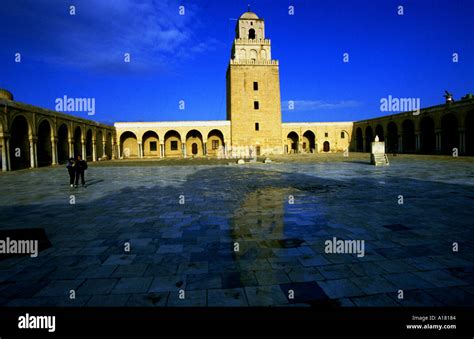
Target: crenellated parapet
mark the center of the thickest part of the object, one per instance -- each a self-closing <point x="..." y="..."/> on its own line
<point x="253" y="62"/>
<point x="246" y="41"/>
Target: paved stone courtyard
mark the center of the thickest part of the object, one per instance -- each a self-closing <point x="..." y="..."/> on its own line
<point x="183" y="223"/>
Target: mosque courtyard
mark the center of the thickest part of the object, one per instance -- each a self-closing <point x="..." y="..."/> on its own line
<point x="214" y="233"/>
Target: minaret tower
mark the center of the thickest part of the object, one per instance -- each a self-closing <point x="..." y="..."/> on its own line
<point x="253" y="90"/>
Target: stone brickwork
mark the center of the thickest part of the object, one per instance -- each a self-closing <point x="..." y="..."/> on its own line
<point x="257" y="126"/>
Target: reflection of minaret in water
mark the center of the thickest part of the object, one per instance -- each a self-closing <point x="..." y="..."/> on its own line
<point x="260" y="218"/>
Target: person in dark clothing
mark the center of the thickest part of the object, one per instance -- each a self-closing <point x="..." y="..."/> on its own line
<point x="71" y="170"/>
<point x="81" y="166"/>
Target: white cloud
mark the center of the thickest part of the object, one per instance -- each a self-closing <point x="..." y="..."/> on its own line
<point x="314" y="105"/>
<point x="101" y="32"/>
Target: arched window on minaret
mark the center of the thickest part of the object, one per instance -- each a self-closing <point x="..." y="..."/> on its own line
<point x="251" y="33"/>
<point x="253" y="54"/>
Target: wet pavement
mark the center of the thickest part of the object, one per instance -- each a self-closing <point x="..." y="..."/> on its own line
<point x="244" y="235"/>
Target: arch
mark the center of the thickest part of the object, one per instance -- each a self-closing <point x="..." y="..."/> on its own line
<point x="369" y="137"/>
<point x="49" y="121"/>
<point x="108" y="146"/>
<point x="215" y="143"/>
<point x="326" y="146"/>
<point x="243" y="54"/>
<point x="77" y="141"/>
<point x="449" y="133"/>
<point x="99" y="144"/>
<point x="251" y="33"/>
<point x="309" y="141"/>
<point x="470" y="133"/>
<point x="194" y="137"/>
<point x="408" y="136"/>
<point x="128" y="145"/>
<point x="63" y="143"/>
<point x="173" y="145"/>
<point x="263" y="54"/>
<point x="292" y="142"/>
<point x="253" y="54"/>
<point x="427" y="137"/>
<point x="392" y="137"/>
<point x="151" y="144"/>
<point x="379" y="132"/>
<point x="359" y="140"/>
<point x="89" y="145"/>
<point x="26" y="118"/>
<point x="19" y="143"/>
<point x="44" y="146"/>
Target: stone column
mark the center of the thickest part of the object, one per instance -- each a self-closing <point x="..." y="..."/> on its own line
<point x="140" y="149"/>
<point x="204" y="148"/>
<point x="83" y="148"/>
<point x="400" y="143"/>
<point x="33" y="159"/>
<point x="115" y="150"/>
<point x="417" y="141"/>
<point x="162" y="150"/>
<point x="54" y="150"/>
<point x="103" y="146"/>
<point x="462" y="140"/>
<point x="94" y="151"/>
<point x="71" y="147"/>
<point x="438" y="140"/>
<point x="183" y="149"/>
<point x="8" y="160"/>
<point x="4" y="154"/>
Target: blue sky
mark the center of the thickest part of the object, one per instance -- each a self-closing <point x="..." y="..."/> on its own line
<point x="176" y="57"/>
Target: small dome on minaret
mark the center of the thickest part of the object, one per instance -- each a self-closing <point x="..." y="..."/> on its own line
<point x="6" y="95"/>
<point x="249" y="15"/>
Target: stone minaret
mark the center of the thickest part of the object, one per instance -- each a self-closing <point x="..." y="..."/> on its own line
<point x="253" y="90"/>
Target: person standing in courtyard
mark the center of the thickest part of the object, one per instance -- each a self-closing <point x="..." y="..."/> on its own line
<point x="71" y="170"/>
<point x="80" y="167"/>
